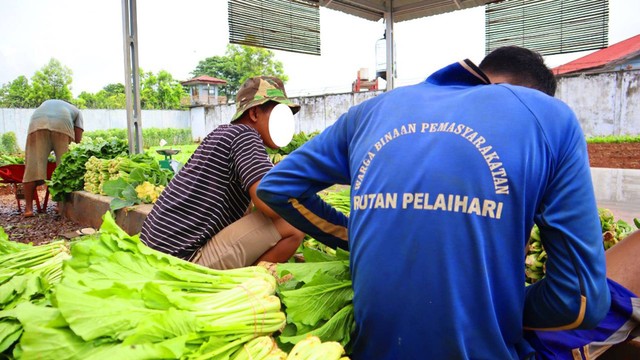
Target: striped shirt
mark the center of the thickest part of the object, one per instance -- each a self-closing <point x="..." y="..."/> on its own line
<point x="209" y="193"/>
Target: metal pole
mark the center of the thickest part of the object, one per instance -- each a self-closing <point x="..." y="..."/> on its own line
<point x="391" y="56"/>
<point x="131" y="75"/>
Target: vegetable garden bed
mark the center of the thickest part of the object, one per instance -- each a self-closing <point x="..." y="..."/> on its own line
<point x="614" y="155"/>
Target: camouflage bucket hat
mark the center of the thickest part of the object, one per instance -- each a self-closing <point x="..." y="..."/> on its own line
<point x="257" y="91"/>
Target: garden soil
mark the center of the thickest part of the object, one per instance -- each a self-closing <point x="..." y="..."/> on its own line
<point x="615" y="156"/>
<point x="49" y="225"/>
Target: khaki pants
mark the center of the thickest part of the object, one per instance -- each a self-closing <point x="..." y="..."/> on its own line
<point x="239" y="244"/>
<point x="36" y="154"/>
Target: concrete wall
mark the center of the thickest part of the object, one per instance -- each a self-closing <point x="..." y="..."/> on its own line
<point x="606" y="103"/>
<point x="17" y="120"/>
<point x="617" y="185"/>
<point x="316" y="112"/>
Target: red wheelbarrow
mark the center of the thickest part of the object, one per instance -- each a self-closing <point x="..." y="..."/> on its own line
<point x="12" y="174"/>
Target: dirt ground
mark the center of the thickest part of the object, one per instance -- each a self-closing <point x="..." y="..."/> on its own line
<point x="49" y="225"/>
<point x="42" y="228"/>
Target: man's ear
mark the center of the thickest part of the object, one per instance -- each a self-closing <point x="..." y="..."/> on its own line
<point x="253" y="114"/>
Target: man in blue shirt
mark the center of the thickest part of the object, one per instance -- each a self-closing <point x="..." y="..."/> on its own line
<point x="447" y="179"/>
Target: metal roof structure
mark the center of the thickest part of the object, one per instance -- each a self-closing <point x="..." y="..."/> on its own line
<point x="391" y="11"/>
<point x="610" y="57"/>
<point x="204" y="79"/>
<point x="399" y="10"/>
<point x="394" y="11"/>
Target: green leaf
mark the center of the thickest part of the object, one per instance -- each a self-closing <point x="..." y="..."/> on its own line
<point x="317" y="300"/>
<point x="46" y="343"/>
<point x="312" y="255"/>
<point x="118" y="203"/>
<point x="305" y="272"/>
<point x="338" y="328"/>
<point x="168" y="349"/>
<point x="28" y="313"/>
<point x="105" y="313"/>
<point x="130" y="194"/>
<point x="114" y="187"/>
<point x="10" y="332"/>
<point x="159" y="327"/>
<point x="137" y="175"/>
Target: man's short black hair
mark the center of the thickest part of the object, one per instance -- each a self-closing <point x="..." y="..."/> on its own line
<point x="525" y="67"/>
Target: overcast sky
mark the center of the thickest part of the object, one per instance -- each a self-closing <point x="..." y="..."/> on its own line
<point x="86" y="36"/>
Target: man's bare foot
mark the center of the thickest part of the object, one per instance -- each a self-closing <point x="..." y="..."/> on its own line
<point x="28" y="214"/>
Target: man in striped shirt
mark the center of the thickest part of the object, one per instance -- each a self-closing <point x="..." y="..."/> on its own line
<point x="205" y="214"/>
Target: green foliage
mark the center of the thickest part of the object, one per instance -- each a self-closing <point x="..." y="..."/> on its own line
<point x="614" y="139"/>
<point x="53" y="81"/>
<point x="298" y="140"/>
<point x="17" y="94"/>
<point x="69" y="175"/>
<point x="116" y="298"/>
<point x="160" y="91"/>
<point x="9" y="143"/>
<point x="150" y="137"/>
<point x="239" y="63"/>
<point x="111" y="96"/>
<point x="613" y="231"/>
<point x="182" y="157"/>
<point x="318" y="299"/>
<point x="10" y="160"/>
<point x="129" y="180"/>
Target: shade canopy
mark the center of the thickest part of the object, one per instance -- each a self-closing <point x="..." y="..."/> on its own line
<point x="400" y="10"/>
<point x="393" y="11"/>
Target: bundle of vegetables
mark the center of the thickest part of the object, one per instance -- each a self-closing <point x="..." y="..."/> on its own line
<point x="11" y="160"/>
<point x="317" y="298"/>
<point x="299" y="139"/>
<point x="69" y="174"/>
<point x="535" y="259"/>
<point x="97" y="172"/>
<point x="129" y="180"/>
<point x="119" y="299"/>
<point x="148" y="193"/>
<point x="612" y="232"/>
<point x="340" y="199"/>
<point x="310" y="348"/>
<point x="27" y="277"/>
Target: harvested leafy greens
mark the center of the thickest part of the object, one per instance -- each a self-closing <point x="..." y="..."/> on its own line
<point x="69" y="175"/>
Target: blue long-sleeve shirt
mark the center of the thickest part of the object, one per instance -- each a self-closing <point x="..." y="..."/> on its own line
<point x="447" y="179"/>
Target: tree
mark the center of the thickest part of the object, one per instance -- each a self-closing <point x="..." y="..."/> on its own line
<point x="240" y="63"/>
<point x="110" y="97"/>
<point x="17" y="94"/>
<point x="53" y="81"/>
<point x="160" y="91"/>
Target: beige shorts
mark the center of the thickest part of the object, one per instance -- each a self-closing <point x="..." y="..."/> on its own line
<point x="40" y="143"/>
<point x="239" y="244"/>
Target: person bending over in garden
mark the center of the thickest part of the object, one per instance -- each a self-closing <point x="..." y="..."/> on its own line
<point x="447" y="180"/>
<point x="205" y="214"/>
<point x="52" y="127"/>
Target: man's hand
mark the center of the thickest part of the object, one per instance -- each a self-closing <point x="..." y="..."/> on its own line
<point x="78" y="134"/>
